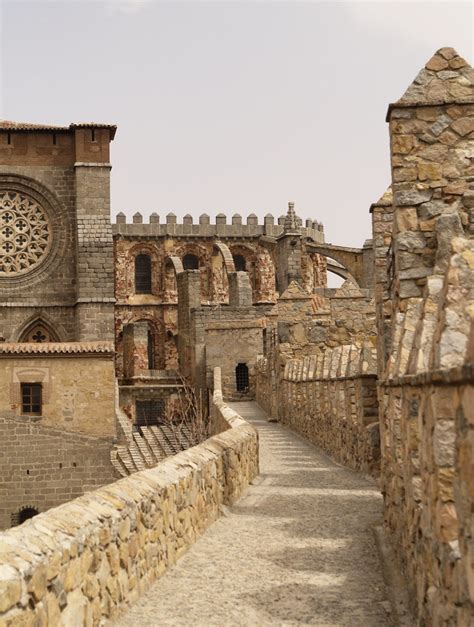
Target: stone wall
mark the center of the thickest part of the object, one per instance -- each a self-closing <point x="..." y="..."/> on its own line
<point x="69" y="374"/>
<point x="84" y="561"/>
<point x="426" y="378"/>
<point x="42" y="467"/>
<point x="427" y="428"/>
<point x="331" y="399"/>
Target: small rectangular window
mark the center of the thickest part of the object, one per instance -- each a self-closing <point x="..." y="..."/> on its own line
<point x="31" y="399"/>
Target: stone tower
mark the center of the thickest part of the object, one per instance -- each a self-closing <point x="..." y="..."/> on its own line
<point x="56" y="249"/>
<point x="288" y="251"/>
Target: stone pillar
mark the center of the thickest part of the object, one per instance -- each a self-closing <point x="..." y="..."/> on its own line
<point x="382" y="224"/>
<point x="95" y="257"/>
<point x="135" y="349"/>
<point x="240" y="290"/>
<point x="288" y="252"/>
<point x="189" y="298"/>
<point x="430" y="128"/>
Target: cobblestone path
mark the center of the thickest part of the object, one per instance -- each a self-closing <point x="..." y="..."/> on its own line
<point x="297" y="549"/>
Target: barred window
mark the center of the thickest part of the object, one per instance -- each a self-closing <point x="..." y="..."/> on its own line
<point x="143" y="274"/>
<point x="17" y="518"/>
<point x="31" y="399"/>
<point x="149" y="412"/>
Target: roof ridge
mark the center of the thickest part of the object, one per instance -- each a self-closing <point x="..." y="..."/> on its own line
<point x="57" y="348"/>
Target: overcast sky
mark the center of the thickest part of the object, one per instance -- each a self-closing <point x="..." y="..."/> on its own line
<point x="232" y="107"/>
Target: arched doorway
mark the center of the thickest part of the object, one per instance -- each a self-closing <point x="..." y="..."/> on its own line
<point x="242" y="377"/>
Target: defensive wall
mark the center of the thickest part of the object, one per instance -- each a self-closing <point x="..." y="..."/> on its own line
<point x="204" y="228"/>
<point x="84" y="561"/>
<point x="331" y="399"/>
<point x="323" y="386"/>
<point x="318" y="373"/>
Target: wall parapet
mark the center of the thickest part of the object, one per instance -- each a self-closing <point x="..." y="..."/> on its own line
<point x="85" y="561"/>
<point x="330" y="398"/>
<point x="459" y="374"/>
<point x="312" y="229"/>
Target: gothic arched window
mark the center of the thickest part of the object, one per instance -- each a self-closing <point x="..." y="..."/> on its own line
<point x="191" y="262"/>
<point x="142" y="274"/>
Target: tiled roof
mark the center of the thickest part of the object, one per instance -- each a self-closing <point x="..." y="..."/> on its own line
<point x="55" y="348"/>
<point x="10" y="125"/>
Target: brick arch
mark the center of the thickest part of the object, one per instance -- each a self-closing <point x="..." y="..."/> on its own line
<point x="251" y="265"/>
<point x="313" y="269"/>
<point x="158" y="331"/>
<point x="228" y="260"/>
<point x="193" y="248"/>
<point x="250" y="254"/>
<point x="24" y="513"/>
<point x="204" y="255"/>
<point x="144" y="248"/>
<point x="158" y="336"/>
<point x="175" y="262"/>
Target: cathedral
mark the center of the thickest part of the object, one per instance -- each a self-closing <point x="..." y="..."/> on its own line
<point x="95" y="339"/>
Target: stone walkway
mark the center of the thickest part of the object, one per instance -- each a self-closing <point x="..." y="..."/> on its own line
<point x="297" y="549"/>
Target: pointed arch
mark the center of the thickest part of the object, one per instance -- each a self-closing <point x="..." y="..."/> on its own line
<point x="39" y="329"/>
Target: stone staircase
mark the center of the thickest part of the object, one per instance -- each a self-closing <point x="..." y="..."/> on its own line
<point x="147" y="446"/>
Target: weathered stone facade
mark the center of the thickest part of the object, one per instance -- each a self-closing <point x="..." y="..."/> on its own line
<point x="330" y="398"/>
<point x="246" y="243"/>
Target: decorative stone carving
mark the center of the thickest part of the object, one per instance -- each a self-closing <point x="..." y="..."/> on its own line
<point x="25" y="233"/>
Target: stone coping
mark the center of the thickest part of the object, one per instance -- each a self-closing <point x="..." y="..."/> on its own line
<point x="207" y="230"/>
<point x="10" y="125"/>
<point x="460" y="374"/>
<point x="84" y="562"/>
<point x="56" y="348"/>
<point x="329" y="379"/>
<point x="426" y="103"/>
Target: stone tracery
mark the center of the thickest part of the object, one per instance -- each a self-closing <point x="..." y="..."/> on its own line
<point x="25" y="233"/>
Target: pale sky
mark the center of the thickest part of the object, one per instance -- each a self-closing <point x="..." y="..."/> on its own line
<point x="230" y="106"/>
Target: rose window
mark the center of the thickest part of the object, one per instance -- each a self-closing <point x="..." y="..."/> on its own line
<point x="25" y="233"/>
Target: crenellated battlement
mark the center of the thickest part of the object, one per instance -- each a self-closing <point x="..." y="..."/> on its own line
<point x="271" y="227"/>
